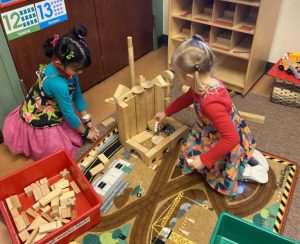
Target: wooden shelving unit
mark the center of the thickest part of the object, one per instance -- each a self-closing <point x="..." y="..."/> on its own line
<point x="239" y="32"/>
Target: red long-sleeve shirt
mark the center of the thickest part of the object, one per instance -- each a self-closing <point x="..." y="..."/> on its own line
<point x="217" y="107"/>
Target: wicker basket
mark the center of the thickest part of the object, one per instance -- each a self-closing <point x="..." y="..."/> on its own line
<point x="286" y="93"/>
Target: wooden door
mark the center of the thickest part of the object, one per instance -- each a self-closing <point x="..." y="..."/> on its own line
<point x="27" y="51"/>
<point x="118" y="19"/>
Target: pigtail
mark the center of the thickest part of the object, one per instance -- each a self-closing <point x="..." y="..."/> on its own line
<point x="79" y="33"/>
<point x="48" y="47"/>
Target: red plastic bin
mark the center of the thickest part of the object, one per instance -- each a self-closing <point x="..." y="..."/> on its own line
<point x="87" y="201"/>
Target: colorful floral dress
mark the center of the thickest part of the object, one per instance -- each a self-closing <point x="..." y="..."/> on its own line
<point x="224" y="175"/>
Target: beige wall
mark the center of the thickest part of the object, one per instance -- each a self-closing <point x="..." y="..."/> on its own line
<point x="287" y="33"/>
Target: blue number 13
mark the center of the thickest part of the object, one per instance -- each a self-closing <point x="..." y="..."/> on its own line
<point x="48" y="12"/>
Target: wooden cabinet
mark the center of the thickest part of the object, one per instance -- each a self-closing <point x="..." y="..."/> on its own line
<point x="109" y="22"/>
<point x="239" y="32"/>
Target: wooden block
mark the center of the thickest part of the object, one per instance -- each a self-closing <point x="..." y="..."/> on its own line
<point x="58" y="224"/>
<point x="46" y="209"/>
<point x="93" y="153"/>
<point x="185" y="88"/>
<point x="65" y="221"/>
<point x="95" y="170"/>
<point x="16" y="201"/>
<point x="132" y="116"/>
<point x="45" y="189"/>
<point x="159" y="98"/>
<point x="252" y="117"/>
<point x="108" y="122"/>
<point x="55" y="202"/>
<point x="139" y="148"/>
<point x="87" y="161"/>
<point x="14" y="212"/>
<point x="123" y="122"/>
<point x="67" y="195"/>
<point x="141" y="137"/>
<point x="23" y="235"/>
<point x="75" y="187"/>
<point x="48" y="227"/>
<point x="44" y="181"/>
<point x="36" y="223"/>
<point x="25" y="218"/>
<point x="32" y="213"/>
<point x="149" y="97"/>
<point x="9" y="203"/>
<point x="46" y="217"/>
<point x="37" y="193"/>
<point x="74" y="214"/>
<point x="141" y="112"/>
<point x="32" y="236"/>
<point x="103" y="158"/>
<point x="62" y="184"/>
<point x="20" y="223"/>
<point x="28" y="191"/>
<point x="52" y="195"/>
<point x="36" y="206"/>
<point x="54" y="212"/>
<point x="65" y="174"/>
<point x="65" y="212"/>
<point x="121" y="91"/>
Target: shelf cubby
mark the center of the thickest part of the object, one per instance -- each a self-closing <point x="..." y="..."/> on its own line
<point x="223" y="13"/>
<point x="183" y="8"/>
<point x="182" y="29"/>
<point x="254" y="3"/>
<point x="202" y="10"/>
<point x="220" y="39"/>
<point x="203" y="30"/>
<point x="241" y="44"/>
<point x="246" y="17"/>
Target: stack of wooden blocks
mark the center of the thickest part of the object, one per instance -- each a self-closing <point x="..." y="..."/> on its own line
<point x="55" y="205"/>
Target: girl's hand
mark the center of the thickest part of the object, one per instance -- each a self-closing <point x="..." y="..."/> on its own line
<point x="90" y="125"/>
<point x="160" y="116"/>
<point x="93" y="136"/>
<point x="196" y="163"/>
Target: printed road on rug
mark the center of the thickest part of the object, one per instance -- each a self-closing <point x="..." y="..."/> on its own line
<point x="159" y="205"/>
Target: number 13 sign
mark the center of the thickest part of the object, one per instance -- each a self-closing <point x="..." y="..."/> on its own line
<point x="51" y="12"/>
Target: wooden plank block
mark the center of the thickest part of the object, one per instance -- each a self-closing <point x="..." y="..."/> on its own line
<point x="252" y="117"/>
<point x="48" y="198"/>
<point x="46" y="217"/>
<point x="36" y="223"/>
<point x="159" y="98"/>
<point x="20" y="223"/>
<point x="132" y="116"/>
<point x="25" y="218"/>
<point x="123" y="122"/>
<point x="103" y="158"/>
<point x="24" y="234"/>
<point x="44" y="181"/>
<point x="32" y="236"/>
<point x="65" y="174"/>
<point x="16" y="201"/>
<point x="97" y="169"/>
<point x="62" y="184"/>
<point x="74" y="187"/>
<point x="66" y="195"/>
<point x="9" y="203"/>
<point x="28" y="191"/>
<point x="108" y="122"/>
<point x="14" y="212"/>
<point x="141" y="113"/>
<point x="37" y="193"/>
<point x="44" y="189"/>
<point x="47" y="227"/>
<point x="32" y="213"/>
<point x="141" y="137"/>
<point x="149" y="98"/>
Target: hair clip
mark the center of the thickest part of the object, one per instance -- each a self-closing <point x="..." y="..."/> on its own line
<point x="70" y="55"/>
<point x="197" y="37"/>
<point x="55" y="39"/>
<point x="197" y="67"/>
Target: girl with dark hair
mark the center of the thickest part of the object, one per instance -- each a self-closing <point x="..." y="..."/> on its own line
<point x="220" y="145"/>
<point x="46" y="121"/>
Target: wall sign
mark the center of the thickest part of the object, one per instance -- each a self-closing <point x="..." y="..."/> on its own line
<point x="25" y="20"/>
<point x="51" y="12"/>
<point x="5" y="3"/>
<point x="21" y="21"/>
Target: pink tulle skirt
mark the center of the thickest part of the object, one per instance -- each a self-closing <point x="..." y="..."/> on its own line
<point x="38" y="143"/>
